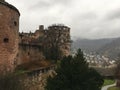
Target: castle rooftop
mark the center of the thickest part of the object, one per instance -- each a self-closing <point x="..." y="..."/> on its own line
<point x="3" y="2"/>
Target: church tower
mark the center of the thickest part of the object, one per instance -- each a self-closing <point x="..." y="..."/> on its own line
<point x="9" y="28"/>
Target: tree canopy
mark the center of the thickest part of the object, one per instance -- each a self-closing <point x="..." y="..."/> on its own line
<point x="73" y="73"/>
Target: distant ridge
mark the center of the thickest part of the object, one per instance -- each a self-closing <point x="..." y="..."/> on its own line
<point x="109" y="47"/>
<point x="112" y="49"/>
<point x="91" y="45"/>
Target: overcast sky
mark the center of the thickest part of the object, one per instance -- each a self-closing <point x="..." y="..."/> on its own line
<point x="86" y="18"/>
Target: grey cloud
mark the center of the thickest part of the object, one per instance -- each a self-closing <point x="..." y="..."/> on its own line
<point x="91" y="26"/>
<point x="65" y="2"/>
<point x="46" y="4"/>
<point x="85" y="25"/>
<point x="41" y="5"/>
<point x="86" y="18"/>
<point x="115" y="14"/>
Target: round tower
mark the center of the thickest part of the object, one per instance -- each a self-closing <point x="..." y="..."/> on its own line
<point x="9" y="28"/>
<point x="60" y="37"/>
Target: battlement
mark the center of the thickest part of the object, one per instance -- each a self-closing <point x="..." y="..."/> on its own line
<point x="53" y="31"/>
<point x="58" y="27"/>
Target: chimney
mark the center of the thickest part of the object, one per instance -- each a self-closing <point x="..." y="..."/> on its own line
<point x="41" y="27"/>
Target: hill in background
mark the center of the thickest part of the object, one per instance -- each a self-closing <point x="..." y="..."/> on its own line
<point x="109" y="47"/>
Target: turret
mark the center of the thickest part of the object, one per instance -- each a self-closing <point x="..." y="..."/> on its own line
<point x="9" y="28"/>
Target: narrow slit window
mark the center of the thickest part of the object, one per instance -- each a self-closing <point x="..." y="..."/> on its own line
<point x="28" y="53"/>
<point x="15" y="23"/>
<point x="5" y="40"/>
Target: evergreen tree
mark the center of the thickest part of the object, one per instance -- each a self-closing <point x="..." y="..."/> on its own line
<point x="74" y="74"/>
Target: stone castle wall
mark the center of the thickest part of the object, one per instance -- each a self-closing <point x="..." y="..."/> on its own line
<point x="9" y="28"/>
<point x="33" y="46"/>
<point x="36" y="80"/>
<point x="20" y="48"/>
<point x="28" y="53"/>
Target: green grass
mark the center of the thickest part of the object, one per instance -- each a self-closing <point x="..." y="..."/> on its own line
<point x="113" y="88"/>
<point x="108" y="82"/>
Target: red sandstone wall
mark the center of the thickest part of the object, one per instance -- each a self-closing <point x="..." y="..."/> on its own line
<point x="9" y="27"/>
<point x="29" y="53"/>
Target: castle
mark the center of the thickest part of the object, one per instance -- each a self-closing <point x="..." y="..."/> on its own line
<point x="20" y="48"/>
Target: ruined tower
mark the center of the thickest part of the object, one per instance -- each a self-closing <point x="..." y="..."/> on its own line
<point x="9" y="28"/>
<point x="59" y="36"/>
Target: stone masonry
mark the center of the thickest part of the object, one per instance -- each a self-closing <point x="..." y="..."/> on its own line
<point x="9" y="28"/>
<point x="19" y="48"/>
<point x="39" y="42"/>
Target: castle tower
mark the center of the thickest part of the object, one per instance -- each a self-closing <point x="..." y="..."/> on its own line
<point x="9" y="28"/>
<point x="59" y="35"/>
